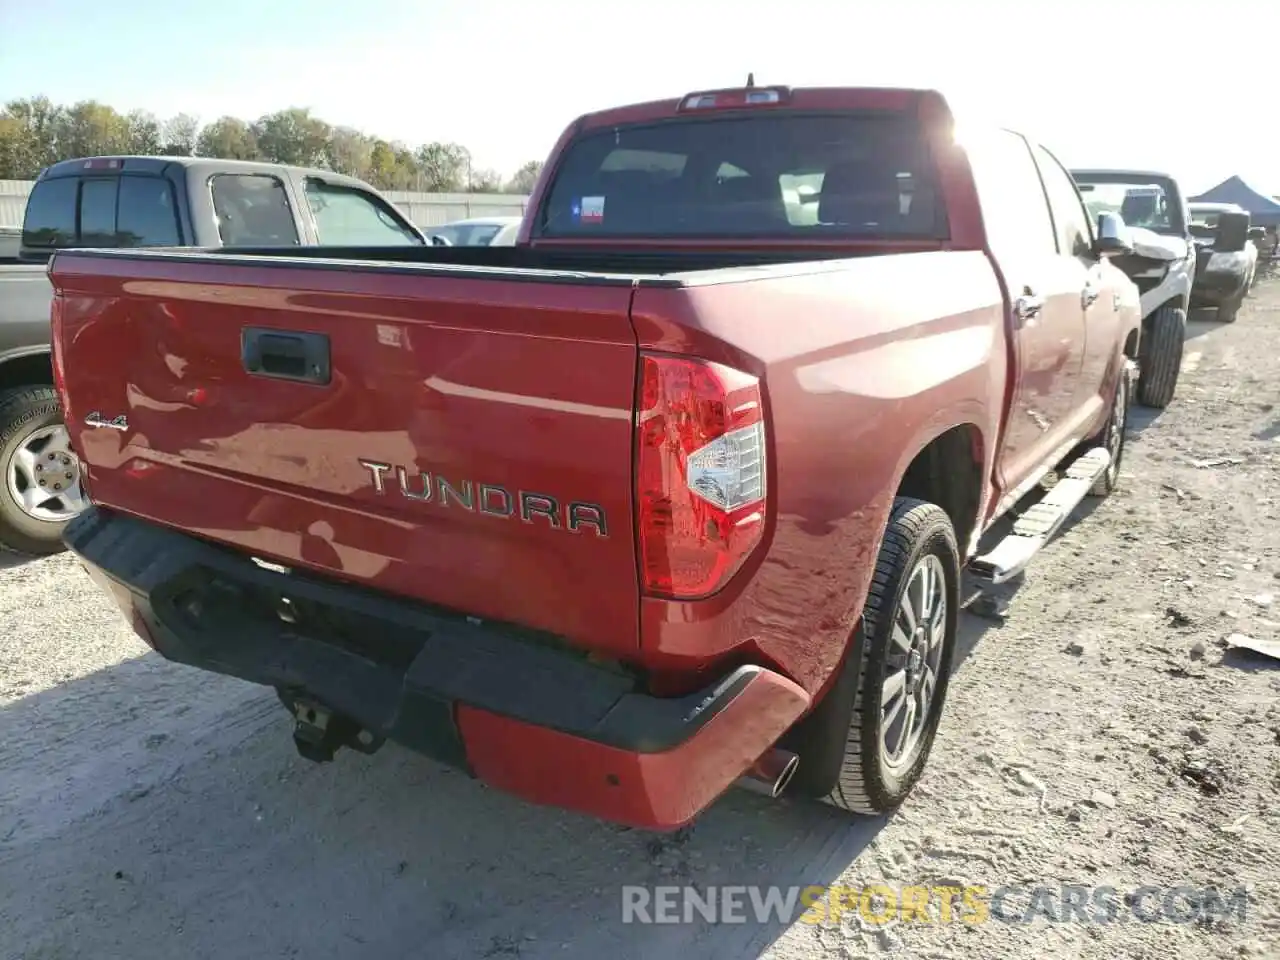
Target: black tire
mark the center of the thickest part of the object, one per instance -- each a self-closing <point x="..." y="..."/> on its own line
<point x="839" y="742"/>
<point x="22" y="412"/>
<point x="1112" y="435"/>
<point x="1162" y="357"/>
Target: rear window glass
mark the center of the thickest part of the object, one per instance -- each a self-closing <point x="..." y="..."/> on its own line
<point x="253" y="211"/>
<point x="124" y="211"/>
<point x="775" y="175"/>
<point x="98" y="212"/>
<point x="1205" y="217"/>
<point x="50" y="220"/>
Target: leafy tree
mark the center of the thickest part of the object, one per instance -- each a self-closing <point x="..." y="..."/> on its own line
<point x="293" y="136"/>
<point x="178" y="136"/>
<point x="382" y="164"/>
<point x="89" y="128"/>
<point x="485" y="181"/>
<point x="524" y="179"/>
<point x="36" y="132"/>
<point x="229" y="138"/>
<point x="144" y="133"/>
<point x="444" y="167"/>
<point x="349" y="151"/>
<point x="29" y="131"/>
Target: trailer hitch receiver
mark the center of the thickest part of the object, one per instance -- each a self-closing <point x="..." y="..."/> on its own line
<point x="319" y="733"/>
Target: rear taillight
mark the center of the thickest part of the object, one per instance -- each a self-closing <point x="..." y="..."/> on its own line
<point x="700" y="474"/>
<point x="59" y="370"/>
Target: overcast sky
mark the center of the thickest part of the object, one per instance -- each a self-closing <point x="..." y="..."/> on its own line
<point x="1119" y="83"/>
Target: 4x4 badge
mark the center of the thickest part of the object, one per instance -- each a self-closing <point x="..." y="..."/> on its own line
<point x="95" y="419"/>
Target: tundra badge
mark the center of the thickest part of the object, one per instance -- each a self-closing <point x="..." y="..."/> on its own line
<point x="94" y="419"/>
<point x="488" y="499"/>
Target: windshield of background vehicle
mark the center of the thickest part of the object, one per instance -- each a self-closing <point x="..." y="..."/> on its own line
<point x="767" y="175"/>
<point x="1202" y="217"/>
<point x="1139" y="204"/>
<point x="467" y="234"/>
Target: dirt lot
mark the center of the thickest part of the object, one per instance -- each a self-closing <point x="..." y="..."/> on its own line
<point x="1100" y="733"/>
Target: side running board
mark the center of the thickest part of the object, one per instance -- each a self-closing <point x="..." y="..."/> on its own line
<point x="1034" y="528"/>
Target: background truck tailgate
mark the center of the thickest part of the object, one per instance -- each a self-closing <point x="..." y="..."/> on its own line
<point x="472" y="446"/>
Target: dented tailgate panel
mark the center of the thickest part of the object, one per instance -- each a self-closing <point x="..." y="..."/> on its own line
<point x="459" y="439"/>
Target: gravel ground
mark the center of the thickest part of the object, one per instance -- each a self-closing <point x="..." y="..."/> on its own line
<point x="1099" y="732"/>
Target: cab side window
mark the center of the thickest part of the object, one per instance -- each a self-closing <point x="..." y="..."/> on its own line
<point x="253" y="211"/>
<point x="347" y="217"/>
<point x="1070" y="218"/>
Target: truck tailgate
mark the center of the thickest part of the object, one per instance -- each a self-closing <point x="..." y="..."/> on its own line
<point x="460" y="437"/>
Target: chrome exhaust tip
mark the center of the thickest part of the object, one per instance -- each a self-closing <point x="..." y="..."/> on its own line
<point x="770" y="774"/>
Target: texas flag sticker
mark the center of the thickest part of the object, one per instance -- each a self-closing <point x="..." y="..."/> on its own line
<point x="592" y="210"/>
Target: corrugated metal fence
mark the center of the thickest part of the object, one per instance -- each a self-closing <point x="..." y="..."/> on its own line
<point x="424" y="209"/>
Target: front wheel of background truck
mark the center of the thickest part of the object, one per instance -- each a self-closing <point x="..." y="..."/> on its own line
<point x="40" y="482"/>
<point x="865" y="745"/>
<point x="1228" y="309"/>
<point x="1162" y="357"/>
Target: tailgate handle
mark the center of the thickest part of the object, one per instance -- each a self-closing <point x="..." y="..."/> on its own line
<point x="285" y="354"/>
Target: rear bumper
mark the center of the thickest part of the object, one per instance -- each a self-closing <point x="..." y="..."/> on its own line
<point x="526" y="717"/>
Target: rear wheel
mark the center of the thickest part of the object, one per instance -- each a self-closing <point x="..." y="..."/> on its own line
<point x="866" y="744"/>
<point x="40" y="487"/>
<point x="1162" y="356"/>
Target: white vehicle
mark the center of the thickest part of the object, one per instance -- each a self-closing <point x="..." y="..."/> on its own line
<point x="476" y="232"/>
<point x="1162" y="265"/>
<point x="1224" y="276"/>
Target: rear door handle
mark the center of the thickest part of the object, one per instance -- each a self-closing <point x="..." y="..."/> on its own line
<point x="1027" y="307"/>
<point x="285" y="355"/>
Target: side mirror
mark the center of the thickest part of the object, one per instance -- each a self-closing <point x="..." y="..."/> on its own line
<point x="1232" y="233"/>
<point x="1113" y="239"/>
<point x="440" y="241"/>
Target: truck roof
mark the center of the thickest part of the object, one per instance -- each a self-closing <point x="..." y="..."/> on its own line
<point x="196" y="165"/>
<point x="811" y="98"/>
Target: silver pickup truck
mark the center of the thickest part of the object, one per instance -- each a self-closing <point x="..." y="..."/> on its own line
<point x="136" y="202"/>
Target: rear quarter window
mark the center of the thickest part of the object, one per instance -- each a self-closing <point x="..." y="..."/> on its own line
<point x="765" y="175"/>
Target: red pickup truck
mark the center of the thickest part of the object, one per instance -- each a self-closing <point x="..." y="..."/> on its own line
<point x="673" y="494"/>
